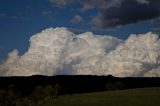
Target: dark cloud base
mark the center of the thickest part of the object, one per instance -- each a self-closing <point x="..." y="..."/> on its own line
<point x="129" y="12"/>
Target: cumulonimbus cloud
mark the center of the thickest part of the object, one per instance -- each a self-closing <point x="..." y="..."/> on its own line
<point x="60" y="52"/>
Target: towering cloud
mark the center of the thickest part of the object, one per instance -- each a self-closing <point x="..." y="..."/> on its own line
<point x="59" y="51"/>
<point x="138" y="55"/>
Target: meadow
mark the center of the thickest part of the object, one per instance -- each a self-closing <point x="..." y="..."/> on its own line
<point x="130" y="97"/>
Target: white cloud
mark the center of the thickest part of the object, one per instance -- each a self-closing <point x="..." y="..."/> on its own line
<point x="77" y="19"/>
<point x="135" y="57"/>
<point x="153" y="73"/>
<point x="59" y="51"/>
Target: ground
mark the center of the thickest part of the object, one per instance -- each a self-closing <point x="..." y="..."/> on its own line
<point x="132" y="97"/>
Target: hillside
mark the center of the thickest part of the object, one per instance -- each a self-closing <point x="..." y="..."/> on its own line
<point x="132" y="97"/>
<point x="35" y="90"/>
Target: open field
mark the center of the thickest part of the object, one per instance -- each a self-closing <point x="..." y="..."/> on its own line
<point x="132" y="97"/>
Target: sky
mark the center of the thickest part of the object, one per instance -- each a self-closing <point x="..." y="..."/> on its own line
<point x="26" y="26"/>
<point x="20" y="19"/>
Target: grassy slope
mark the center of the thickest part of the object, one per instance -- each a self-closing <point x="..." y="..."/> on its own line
<point x="132" y="97"/>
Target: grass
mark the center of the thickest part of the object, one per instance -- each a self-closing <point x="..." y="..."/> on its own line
<point x="132" y="97"/>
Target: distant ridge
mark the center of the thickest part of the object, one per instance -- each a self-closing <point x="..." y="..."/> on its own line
<point x="75" y="83"/>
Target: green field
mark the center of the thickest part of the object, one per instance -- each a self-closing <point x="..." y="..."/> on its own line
<point x="132" y="97"/>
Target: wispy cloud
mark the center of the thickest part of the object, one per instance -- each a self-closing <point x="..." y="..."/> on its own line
<point x="17" y="17"/>
<point x="77" y="19"/>
<point x="2" y="15"/>
<point x="48" y="14"/>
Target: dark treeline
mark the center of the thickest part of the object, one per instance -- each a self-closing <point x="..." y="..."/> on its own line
<point x="76" y="84"/>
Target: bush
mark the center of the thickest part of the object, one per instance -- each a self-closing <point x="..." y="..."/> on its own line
<point x="118" y="85"/>
<point x="3" y="97"/>
<point x="114" y="86"/>
<point x="38" y="94"/>
<point x="49" y="91"/>
<point x="109" y="87"/>
<point x="25" y="101"/>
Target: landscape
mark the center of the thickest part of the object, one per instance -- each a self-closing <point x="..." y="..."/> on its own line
<point x="76" y="90"/>
<point x="79" y="52"/>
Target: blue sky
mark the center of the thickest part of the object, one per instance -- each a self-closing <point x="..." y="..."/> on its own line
<point x="20" y="19"/>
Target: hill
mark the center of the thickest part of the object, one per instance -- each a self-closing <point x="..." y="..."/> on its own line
<point x="75" y="84"/>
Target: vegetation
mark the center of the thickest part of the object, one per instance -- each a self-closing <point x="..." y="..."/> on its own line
<point x="11" y="97"/>
<point x="48" y="91"/>
<point x="132" y="97"/>
<point x="114" y="86"/>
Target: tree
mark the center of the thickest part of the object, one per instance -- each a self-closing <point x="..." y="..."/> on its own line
<point x="49" y="91"/>
<point x="109" y="86"/>
<point x="118" y="85"/>
<point x="38" y="94"/>
<point x="114" y="86"/>
<point x="57" y="88"/>
<point x="3" y="97"/>
<point x="12" y="94"/>
<point x="25" y="101"/>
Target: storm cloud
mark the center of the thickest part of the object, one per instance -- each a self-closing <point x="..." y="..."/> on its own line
<point x="113" y="13"/>
<point x="127" y="12"/>
<point x="58" y="51"/>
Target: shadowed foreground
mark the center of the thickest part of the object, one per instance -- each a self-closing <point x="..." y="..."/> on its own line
<point x="132" y="97"/>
